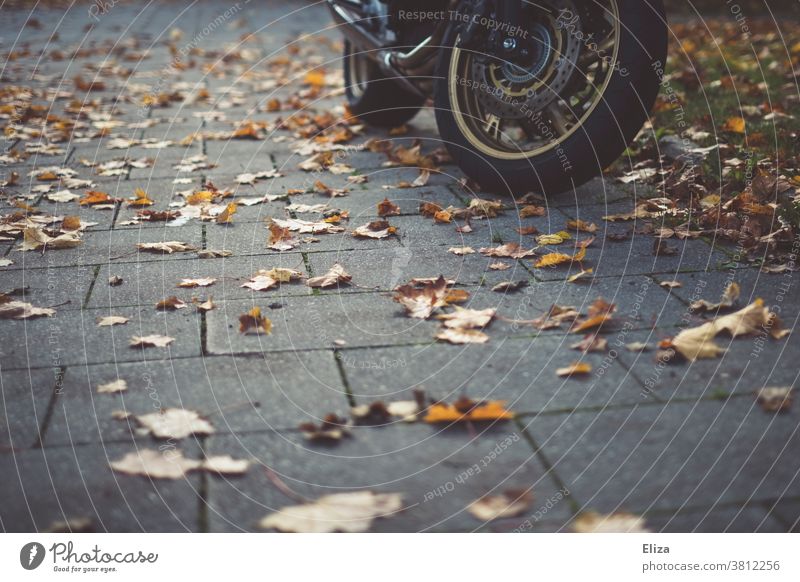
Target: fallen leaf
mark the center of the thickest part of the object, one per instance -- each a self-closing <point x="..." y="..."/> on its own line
<point x="346" y="512"/>
<point x="575" y="369"/>
<point x="192" y="283"/>
<point x="773" y="399"/>
<point x="507" y="504"/>
<point x="175" y="423"/>
<point x="388" y="208"/>
<point x="253" y="322"/>
<point x="463" y="318"/>
<point x="462" y="336"/>
<point x="729" y="297"/>
<point x="591" y="343"/>
<point x="592" y="522"/>
<point x="225" y="465"/>
<point x="375" y="229"/>
<point x="151" y="341"/>
<point x="465" y="409"/>
<point x="226" y="216"/>
<point x="167" y="247"/>
<point x="461" y="251"/>
<point x="420" y="302"/>
<point x="110" y="320"/>
<point x="170" y="304"/>
<point x="140" y="199"/>
<point x="509" y="250"/>
<point x="171" y="464"/>
<point x="118" y="385"/>
<point x="509" y="286"/>
<point x="335" y="275"/>
<point x="22" y="310"/>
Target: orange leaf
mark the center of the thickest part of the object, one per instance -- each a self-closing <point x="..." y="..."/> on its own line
<point x="465" y="409"/>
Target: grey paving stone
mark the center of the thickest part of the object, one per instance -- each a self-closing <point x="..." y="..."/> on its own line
<point x="600" y="190"/>
<point x="749" y="363"/>
<point x="26" y="395"/>
<point x="316" y="322"/>
<point x="519" y="371"/>
<point x="744" y="519"/>
<point x="45" y="486"/>
<point x="118" y="246"/>
<point x="413" y="460"/>
<point x="649" y="458"/>
<point x="236" y="394"/>
<point x="640" y="303"/>
<point x="72" y="337"/>
<point x="148" y="283"/>
<point x="385" y="269"/>
<point x="251" y="239"/>
<point x="780" y="292"/>
<point x="787" y="512"/>
<point x="64" y="287"/>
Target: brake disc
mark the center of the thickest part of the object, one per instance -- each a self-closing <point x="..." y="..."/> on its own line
<point x="511" y="91"/>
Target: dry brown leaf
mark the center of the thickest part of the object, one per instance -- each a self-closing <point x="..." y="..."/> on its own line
<point x="170" y="464"/>
<point x="375" y="229"/>
<point x="388" y="208"/>
<point x="575" y="369"/>
<point x="170" y="304"/>
<point x="461" y="251"/>
<point x="463" y="318"/>
<point x="192" y="283"/>
<point x="335" y="275"/>
<point x="465" y="409"/>
<point x="592" y="522"/>
<point x="151" y="341"/>
<point x="462" y="336"/>
<point x="167" y="247"/>
<point x="729" y="297"/>
<point x="253" y="322"/>
<point x="509" y="251"/>
<point x="118" y="385"/>
<point x="775" y="399"/>
<point x="110" y="320"/>
<point x="22" y="310"/>
<point x="175" y="423"/>
<point x="420" y="302"/>
<point x="508" y="504"/>
<point x="345" y="512"/>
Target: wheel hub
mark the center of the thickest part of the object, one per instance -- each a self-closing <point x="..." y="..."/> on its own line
<point x="541" y="68"/>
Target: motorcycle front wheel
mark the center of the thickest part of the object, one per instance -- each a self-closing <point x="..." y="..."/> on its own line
<point x="550" y="108"/>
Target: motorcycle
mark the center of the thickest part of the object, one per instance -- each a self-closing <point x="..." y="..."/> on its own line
<point x="529" y="95"/>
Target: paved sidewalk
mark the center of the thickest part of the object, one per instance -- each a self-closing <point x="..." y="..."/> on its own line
<point x="684" y="445"/>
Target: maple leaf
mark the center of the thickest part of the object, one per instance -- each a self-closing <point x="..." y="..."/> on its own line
<point x="530" y="211"/>
<point x="335" y="275"/>
<point x="508" y="504"/>
<point x="346" y="512"/>
<point x="22" y="310"/>
<point x="593" y="522"/>
<point x="574" y="369"/>
<point x="253" y="322"/>
<point x="167" y="247"/>
<point x="462" y="336"/>
<point x="600" y="311"/>
<point x="465" y="409"/>
<point x="485" y="208"/>
<point x="93" y="198"/>
<point x="140" y="199"/>
<point x="388" y="208"/>
<point x="774" y="399"/>
<point x="507" y="251"/>
<point x="118" y="385"/>
<point x="729" y="297"/>
<point x="420" y="303"/>
<point x="151" y="341"/>
<point x="36" y="238"/>
<point x="170" y="304"/>
<point x="463" y="318"/>
<point x="110" y="320"/>
<point x="582" y="226"/>
<point x="375" y="229"/>
<point x="555" y="316"/>
<point x="591" y="343"/>
<point x="170" y="464"/>
<point x="192" y="283"/>
<point x="305" y="226"/>
<point x="226" y="216"/>
<point x="461" y="251"/>
<point x="175" y="423"/>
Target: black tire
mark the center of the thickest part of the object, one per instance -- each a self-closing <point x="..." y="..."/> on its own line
<point x="604" y="134"/>
<point x="378" y="100"/>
